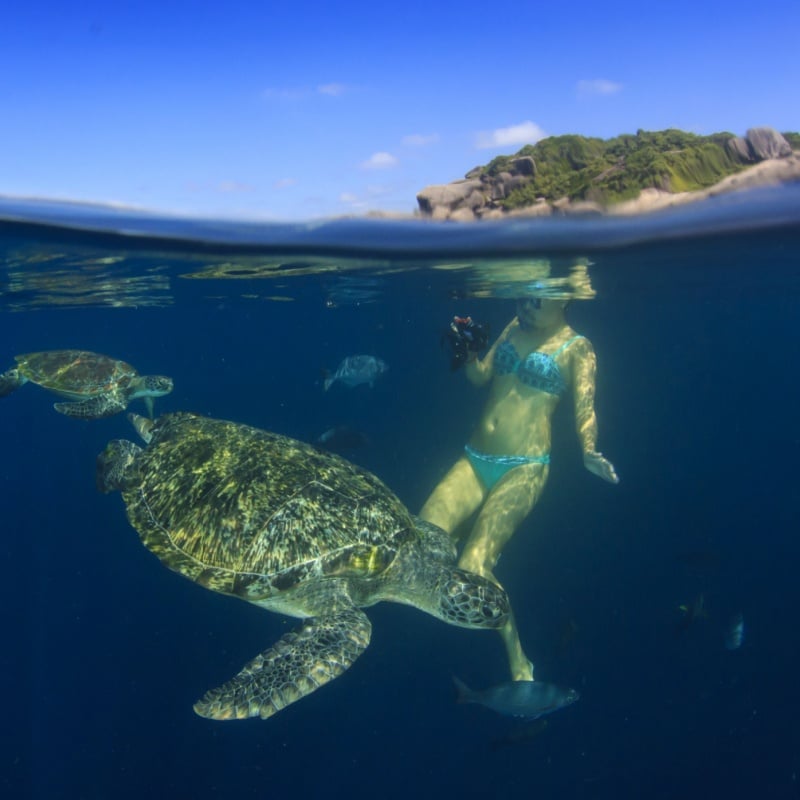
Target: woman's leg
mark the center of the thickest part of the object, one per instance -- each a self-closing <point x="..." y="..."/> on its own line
<point x="456" y="497"/>
<point x="506" y="507"/>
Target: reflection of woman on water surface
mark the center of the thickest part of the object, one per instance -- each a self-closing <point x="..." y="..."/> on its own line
<point x="536" y="360"/>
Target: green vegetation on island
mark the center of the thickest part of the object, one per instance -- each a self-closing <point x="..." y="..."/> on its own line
<point x="793" y="139"/>
<point x="612" y="170"/>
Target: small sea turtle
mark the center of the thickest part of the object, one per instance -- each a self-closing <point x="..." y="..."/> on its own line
<point x="292" y="529"/>
<point x="99" y="386"/>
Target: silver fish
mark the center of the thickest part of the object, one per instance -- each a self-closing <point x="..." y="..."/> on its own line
<point x="522" y="699"/>
<point x="355" y="370"/>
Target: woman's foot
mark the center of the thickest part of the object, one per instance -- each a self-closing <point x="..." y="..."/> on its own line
<point x="522" y="671"/>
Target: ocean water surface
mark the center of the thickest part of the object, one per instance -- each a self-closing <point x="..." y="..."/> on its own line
<point x="693" y="315"/>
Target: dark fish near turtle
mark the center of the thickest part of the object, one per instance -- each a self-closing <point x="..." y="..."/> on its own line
<point x="521" y="699"/>
<point x="342" y="438"/>
<point x="356" y="370"/>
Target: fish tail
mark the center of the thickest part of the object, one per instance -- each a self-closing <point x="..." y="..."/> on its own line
<point x="465" y="694"/>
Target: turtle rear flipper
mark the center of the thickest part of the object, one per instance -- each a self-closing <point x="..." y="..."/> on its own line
<point x="104" y="405"/>
<point x="10" y="381"/>
<point x="296" y="665"/>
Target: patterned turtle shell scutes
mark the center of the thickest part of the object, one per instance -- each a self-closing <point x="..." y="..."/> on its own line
<point x="359" y="560"/>
<point x="77" y="372"/>
<point x="251" y="513"/>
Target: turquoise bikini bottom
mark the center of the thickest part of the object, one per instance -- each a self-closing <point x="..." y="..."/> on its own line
<point x="491" y="468"/>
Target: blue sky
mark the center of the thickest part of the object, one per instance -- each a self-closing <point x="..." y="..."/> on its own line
<point x="294" y="110"/>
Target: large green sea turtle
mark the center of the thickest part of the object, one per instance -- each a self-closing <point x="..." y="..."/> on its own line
<point x="292" y="529"/>
<point x="99" y="386"/>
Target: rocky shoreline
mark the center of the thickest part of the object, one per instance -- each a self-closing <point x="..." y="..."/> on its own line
<point x="479" y="195"/>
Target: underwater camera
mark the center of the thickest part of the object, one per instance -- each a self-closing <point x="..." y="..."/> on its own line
<point x="465" y="338"/>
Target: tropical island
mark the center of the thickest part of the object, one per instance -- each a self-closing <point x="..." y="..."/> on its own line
<point x="628" y="174"/>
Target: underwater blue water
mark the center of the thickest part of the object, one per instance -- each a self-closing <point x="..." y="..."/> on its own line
<point x="695" y="324"/>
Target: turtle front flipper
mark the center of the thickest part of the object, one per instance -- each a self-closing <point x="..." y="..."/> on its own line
<point x="296" y="665"/>
<point x="104" y="405"/>
<point x="10" y="381"/>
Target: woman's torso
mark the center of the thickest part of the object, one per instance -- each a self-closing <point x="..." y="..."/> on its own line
<point x="531" y="372"/>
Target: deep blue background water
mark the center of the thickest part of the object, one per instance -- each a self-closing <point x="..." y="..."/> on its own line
<point x="104" y="650"/>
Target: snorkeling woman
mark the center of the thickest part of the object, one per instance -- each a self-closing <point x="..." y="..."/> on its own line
<point x="535" y="361"/>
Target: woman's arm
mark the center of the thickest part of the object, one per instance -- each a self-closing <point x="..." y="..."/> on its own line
<point x="480" y="371"/>
<point x="584" y="372"/>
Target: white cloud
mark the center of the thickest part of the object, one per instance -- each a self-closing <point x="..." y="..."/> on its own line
<point x="332" y="89"/>
<point x="284" y="183"/>
<point x="377" y="191"/>
<point x="420" y="140"/>
<point x="598" y="86"/>
<point x="525" y="133"/>
<point x="284" y="93"/>
<point x="302" y="92"/>
<point x="365" y="199"/>
<point x="233" y="186"/>
<point x="379" y="161"/>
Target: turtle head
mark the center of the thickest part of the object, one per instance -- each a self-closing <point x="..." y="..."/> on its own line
<point x="471" y="601"/>
<point x="113" y="467"/>
<point x="149" y="386"/>
<point x="424" y="575"/>
<point x="154" y="385"/>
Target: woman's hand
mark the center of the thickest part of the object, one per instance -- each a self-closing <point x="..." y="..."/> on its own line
<point x="600" y="466"/>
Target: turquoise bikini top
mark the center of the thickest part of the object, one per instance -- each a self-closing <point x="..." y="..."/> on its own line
<point x="537" y="370"/>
